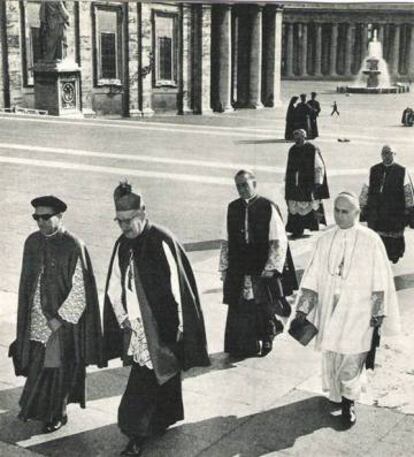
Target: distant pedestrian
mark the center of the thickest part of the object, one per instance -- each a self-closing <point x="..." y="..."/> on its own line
<point x="257" y="271"/>
<point x="334" y="109"/>
<point x="347" y="292"/>
<point x="302" y="116"/>
<point x="152" y="320"/>
<point x="306" y="186"/>
<point x="316" y="109"/>
<point x="290" y="118"/>
<point x="58" y="319"/>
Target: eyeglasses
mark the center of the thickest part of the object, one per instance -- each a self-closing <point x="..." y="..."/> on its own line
<point x="44" y="217"/>
<point x="125" y="221"/>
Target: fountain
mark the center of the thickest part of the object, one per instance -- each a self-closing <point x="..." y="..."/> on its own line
<point x="373" y="76"/>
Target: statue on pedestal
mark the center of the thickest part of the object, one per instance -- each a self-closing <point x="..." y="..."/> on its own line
<point x="54" y="21"/>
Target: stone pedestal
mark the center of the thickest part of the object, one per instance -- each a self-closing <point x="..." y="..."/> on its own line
<point x="57" y="88"/>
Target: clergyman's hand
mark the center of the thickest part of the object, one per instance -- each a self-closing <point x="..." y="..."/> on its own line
<point x="223" y="276"/>
<point x="54" y="324"/>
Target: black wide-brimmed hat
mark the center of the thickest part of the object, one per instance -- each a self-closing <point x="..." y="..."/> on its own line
<point x="51" y="202"/>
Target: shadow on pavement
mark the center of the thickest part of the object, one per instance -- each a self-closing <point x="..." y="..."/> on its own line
<point x="100" y="384"/>
<point x="219" y="361"/>
<point x="249" y="436"/>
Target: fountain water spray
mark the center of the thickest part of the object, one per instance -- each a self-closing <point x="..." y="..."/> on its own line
<point x="374" y="76"/>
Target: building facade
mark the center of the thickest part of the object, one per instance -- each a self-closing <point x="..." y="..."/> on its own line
<point x="139" y="58"/>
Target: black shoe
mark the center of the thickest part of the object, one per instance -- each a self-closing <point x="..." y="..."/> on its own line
<point x="56" y="425"/>
<point x="348" y="412"/>
<point x="266" y="347"/>
<point x="134" y="448"/>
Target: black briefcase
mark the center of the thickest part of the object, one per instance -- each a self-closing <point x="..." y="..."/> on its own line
<point x="269" y="291"/>
<point x="302" y="330"/>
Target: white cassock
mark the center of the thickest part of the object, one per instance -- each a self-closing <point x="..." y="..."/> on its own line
<point x="348" y="281"/>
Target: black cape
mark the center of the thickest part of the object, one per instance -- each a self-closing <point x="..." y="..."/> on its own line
<point x="301" y="164"/>
<point x="85" y="337"/>
<point x="157" y="305"/>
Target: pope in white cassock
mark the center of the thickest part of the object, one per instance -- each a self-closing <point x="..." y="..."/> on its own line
<point x="347" y="291"/>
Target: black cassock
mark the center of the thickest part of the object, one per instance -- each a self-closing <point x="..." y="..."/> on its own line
<point x="252" y="321"/>
<point x="153" y="397"/>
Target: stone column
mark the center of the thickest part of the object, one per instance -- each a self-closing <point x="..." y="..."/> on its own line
<point x="318" y="50"/>
<point x="235" y="58"/>
<point x="381" y="35"/>
<point x="333" y="52"/>
<point x="186" y="60"/>
<point x="364" y="42"/>
<point x="289" y="50"/>
<point x="224" y="31"/>
<point x="411" y="55"/>
<point x="303" y="70"/>
<point x="395" y="51"/>
<point x="133" y="58"/>
<point x="255" y="64"/>
<point x="349" y="50"/>
<point x="4" y="90"/>
<point x="273" y="57"/>
<point x="86" y="47"/>
<point x="13" y="52"/>
<point x="386" y="48"/>
<point x="2" y="55"/>
<point x="146" y="60"/>
<point x="205" y="59"/>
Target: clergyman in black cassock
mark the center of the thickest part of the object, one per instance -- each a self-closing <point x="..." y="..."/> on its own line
<point x="302" y="116"/>
<point x="58" y="319"/>
<point x="290" y="119"/>
<point x="152" y="320"/>
<point x="387" y="203"/>
<point x="306" y="186"/>
<point x="316" y="109"/>
<point x="257" y="270"/>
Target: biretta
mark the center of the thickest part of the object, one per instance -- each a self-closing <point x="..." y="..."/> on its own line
<point x="50" y="201"/>
<point x="125" y="199"/>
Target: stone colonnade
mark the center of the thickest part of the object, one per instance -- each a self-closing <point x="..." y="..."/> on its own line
<point x="318" y="48"/>
<point x="245" y="56"/>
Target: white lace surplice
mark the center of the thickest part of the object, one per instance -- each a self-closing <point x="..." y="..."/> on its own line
<point x="303" y="208"/>
<point x="138" y="347"/>
<point x="71" y="310"/>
